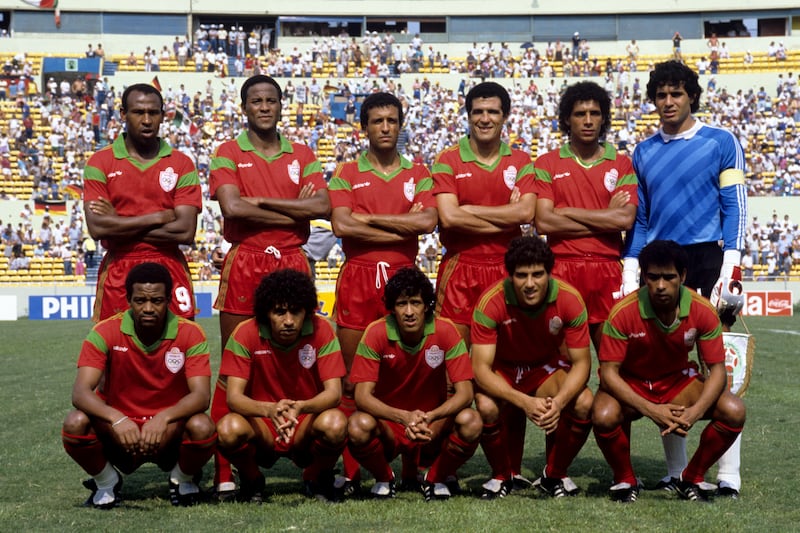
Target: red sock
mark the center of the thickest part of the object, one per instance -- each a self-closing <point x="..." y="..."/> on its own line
<point x="515" y="424"/>
<point x="325" y="457"/>
<point x="219" y="408"/>
<point x="570" y="436"/>
<point x="455" y="453"/>
<point x="714" y="441"/>
<point x="616" y="448"/>
<point x="351" y="468"/>
<point x="371" y="456"/>
<point x="495" y="450"/>
<point x="194" y="454"/>
<point x="244" y="459"/>
<point x="85" y="450"/>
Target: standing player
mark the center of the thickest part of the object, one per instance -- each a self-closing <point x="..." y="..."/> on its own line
<point x="401" y="373"/>
<point x="484" y="191"/>
<point x="380" y="204"/>
<point x="645" y="371"/>
<point x="691" y="191"/>
<point x="141" y="199"/>
<point x="519" y="327"/>
<point x="283" y="370"/>
<point x="586" y="196"/>
<point x="142" y="388"/>
<point x="268" y="190"/>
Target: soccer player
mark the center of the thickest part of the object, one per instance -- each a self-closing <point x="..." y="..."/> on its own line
<point x="142" y="387"/>
<point x="268" y="190"/>
<point x="380" y="204"/>
<point x="141" y="198"/>
<point x="519" y="326"/>
<point x="284" y="371"/>
<point x="401" y="372"/>
<point x="691" y="191"/>
<point x="645" y="371"/>
<point x="484" y="192"/>
<point x="586" y="196"/>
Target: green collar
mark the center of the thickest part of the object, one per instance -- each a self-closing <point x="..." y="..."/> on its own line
<point x="170" y="330"/>
<point x="265" y="332"/>
<point x="467" y="155"/>
<point x="365" y="166"/>
<point x="121" y="151"/>
<point x="511" y="297"/>
<point x="393" y="333"/>
<point x="246" y="146"/>
<point x="648" y="313"/>
<point x="609" y="153"/>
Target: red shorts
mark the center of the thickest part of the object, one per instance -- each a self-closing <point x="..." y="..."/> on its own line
<point x="243" y="270"/>
<point x="528" y="379"/>
<point x="596" y="278"/>
<point x="665" y="389"/>
<point x="461" y="282"/>
<point x="359" y="292"/>
<point x="282" y="447"/>
<point x="111" y="297"/>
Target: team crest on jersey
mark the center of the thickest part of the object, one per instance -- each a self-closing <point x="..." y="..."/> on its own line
<point x="167" y="178"/>
<point x="294" y="172"/>
<point x="174" y="359"/>
<point x="690" y="337"/>
<point x="409" y="189"/>
<point x="610" y="179"/>
<point x="434" y="356"/>
<point x="510" y="177"/>
<point x="307" y="356"/>
<point x="555" y="325"/>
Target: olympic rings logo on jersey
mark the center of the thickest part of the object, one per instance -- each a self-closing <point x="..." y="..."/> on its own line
<point x="690" y="337"/>
<point x="307" y="356"/>
<point x="174" y="359"/>
<point x="434" y="356"/>
<point x="294" y="172"/>
<point x="167" y="178"/>
<point x="409" y="189"/>
<point x="510" y="177"/>
<point x="610" y="179"/>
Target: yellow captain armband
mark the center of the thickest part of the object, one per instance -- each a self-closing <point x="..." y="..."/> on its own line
<point x="731" y="176"/>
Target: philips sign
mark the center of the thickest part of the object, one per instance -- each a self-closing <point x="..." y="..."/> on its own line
<point x="79" y="307"/>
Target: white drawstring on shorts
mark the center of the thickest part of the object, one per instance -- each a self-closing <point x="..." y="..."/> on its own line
<point x="381" y="272"/>
<point x="273" y="251"/>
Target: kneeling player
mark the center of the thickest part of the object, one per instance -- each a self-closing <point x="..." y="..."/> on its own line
<point x="284" y="371"/>
<point x="400" y="374"/>
<point x="142" y="388"/>
<point x="519" y="326"/>
<point x="645" y="371"/>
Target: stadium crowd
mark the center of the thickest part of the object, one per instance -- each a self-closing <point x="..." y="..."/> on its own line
<point x="47" y="135"/>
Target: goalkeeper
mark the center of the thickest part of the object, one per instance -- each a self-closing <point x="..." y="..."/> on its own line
<point x="691" y="190"/>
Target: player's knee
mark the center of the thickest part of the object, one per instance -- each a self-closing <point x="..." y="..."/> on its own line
<point x="469" y="425"/>
<point x="200" y="427"/>
<point x="231" y="431"/>
<point x="583" y="404"/>
<point x="731" y="410"/>
<point x="606" y="414"/>
<point x="76" y="423"/>
<point x="487" y="408"/>
<point x="360" y="428"/>
<point x="332" y="426"/>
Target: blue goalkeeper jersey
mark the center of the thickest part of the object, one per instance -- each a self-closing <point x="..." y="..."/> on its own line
<point x="691" y="189"/>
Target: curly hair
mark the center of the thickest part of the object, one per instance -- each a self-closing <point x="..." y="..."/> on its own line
<point x="148" y="273"/>
<point x="584" y="91"/>
<point x="410" y="281"/>
<point x="678" y="74"/>
<point x="380" y="100"/>
<point x="529" y="250"/>
<point x="286" y="287"/>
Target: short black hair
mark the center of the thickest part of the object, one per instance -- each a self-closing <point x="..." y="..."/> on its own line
<point x="255" y="80"/>
<point x="526" y="251"/>
<point x="584" y="91"/>
<point x="489" y="89"/>
<point x="287" y="287"/>
<point x="410" y="281"/>
<point x="675" y="73"/>
<point x="143" y="88"/>
<point x="663" y="253"/>
<point x="148" y="273"/>
<point x="379" y="100"/>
